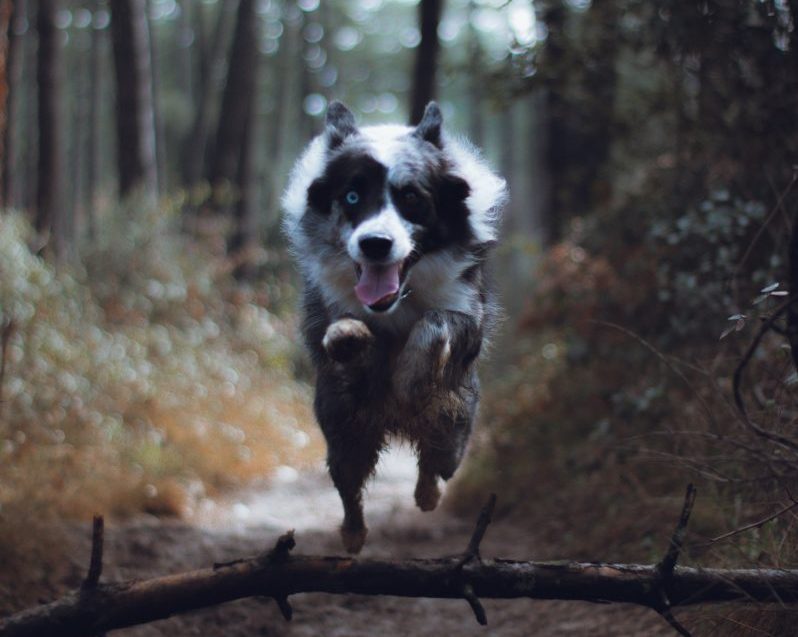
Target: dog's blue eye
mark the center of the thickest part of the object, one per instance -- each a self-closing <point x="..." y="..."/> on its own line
<point x="352" y="197"/>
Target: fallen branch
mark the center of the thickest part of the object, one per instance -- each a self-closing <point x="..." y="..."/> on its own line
<point x="101" y="607"/>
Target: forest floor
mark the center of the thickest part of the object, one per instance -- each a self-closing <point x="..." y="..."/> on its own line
<point x="307" y="502"/>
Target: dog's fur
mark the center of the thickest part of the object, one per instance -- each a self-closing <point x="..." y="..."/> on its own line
<point x="391" y="227"/>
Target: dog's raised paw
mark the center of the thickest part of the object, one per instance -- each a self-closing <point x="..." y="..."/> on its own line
<point x="346" y="338"/>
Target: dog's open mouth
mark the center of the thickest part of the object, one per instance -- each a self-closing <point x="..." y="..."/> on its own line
<point x="378" y="286"/>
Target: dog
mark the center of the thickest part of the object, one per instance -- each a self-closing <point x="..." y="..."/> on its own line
<point x="391" y="227"/>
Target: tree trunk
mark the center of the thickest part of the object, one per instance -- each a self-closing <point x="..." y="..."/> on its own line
<point x="554" y="51"/>
<point x="155" y="73"/>
<point x="476" y="81"/>
<point x="29" y="91"/>
<point x="6" y="35"/>
<point x="211" y="61"/>
<point x="94" y="151"/>
<point x="424" y="71"/>
<point x="244" y="238"/>
<point x="50" y="205"/>
<point x="238" y="94"/>
<point x="134" y="104"/>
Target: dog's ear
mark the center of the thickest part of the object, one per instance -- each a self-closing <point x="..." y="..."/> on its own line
<point x="456" y="187"/>
<point x="451" y="208"/>
<point x="429" y="128"/>
<point x="339" y="125"/>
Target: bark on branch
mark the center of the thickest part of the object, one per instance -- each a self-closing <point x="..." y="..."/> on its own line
<point x="95" y="609"/>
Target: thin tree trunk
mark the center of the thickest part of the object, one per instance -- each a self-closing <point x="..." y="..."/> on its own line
<point x="9" y="97"/>
<point x="134" y="104"/>
<point x="155" y="74"/>
<point x="6" y="36"/>
<point x="50" y="204"/>
<point x="475" y="81"/>
<point x="244" y="238"/>
<point x="81" y="115"/>
<point x="211" y="61"/>
<point x="29" y="153"/>
<point x="238" y="92"/>
<point x="424" y="71"/>
<point x="94" y="151"/>
<point x="555" y="111"/>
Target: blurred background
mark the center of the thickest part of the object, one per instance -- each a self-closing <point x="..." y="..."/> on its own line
<point x="150" y="361"/>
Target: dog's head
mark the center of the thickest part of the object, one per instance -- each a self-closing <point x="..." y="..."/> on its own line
<point x="365" y="206"/>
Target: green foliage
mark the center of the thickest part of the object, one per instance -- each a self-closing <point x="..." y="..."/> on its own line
<point x="671" y="158"/>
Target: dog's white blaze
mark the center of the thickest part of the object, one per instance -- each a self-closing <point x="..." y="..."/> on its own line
<point x="387" y="222"/>
<point x="386" y="141"/>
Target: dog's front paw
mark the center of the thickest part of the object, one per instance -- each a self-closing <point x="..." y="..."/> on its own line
<point x="346" y="338"/>
<point x="420" y="366"/>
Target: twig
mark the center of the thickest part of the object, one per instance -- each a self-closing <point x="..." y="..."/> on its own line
<point x="668" y="562"/>
<point x="96" y="561"/>
<point x="475" y="604"/>
<point x="668" y="363"/>
<point x="282" y="548"/>
<point x="483" y="521"/>
<point x="285" y="608"/>
<point x="472" y="554"/>
<point x="667" y="614"/>
<point x="666" y="566"/>
<point x="763" y="227"/>
<point x="738" y="376"/>
<point x="749" y="353"/>
<point x="755" y="525"/>
<point x="279" y="555"/>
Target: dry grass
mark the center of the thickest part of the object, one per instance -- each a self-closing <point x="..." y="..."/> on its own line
<point x="144" y="379"/>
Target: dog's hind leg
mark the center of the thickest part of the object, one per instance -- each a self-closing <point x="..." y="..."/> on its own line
<point x="440" y="452"/>
<point x="351" y="461"/>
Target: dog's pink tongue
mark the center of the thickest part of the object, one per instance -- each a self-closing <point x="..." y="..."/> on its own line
<point x="376" y="282"/>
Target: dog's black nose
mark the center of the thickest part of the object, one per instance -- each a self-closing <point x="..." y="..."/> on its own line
<point x="376" y="246"/>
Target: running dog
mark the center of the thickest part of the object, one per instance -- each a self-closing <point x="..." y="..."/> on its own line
<point x="391" y="227"/>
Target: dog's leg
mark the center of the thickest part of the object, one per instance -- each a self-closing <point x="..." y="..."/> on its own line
<point x="441" y="449"/>
<point x="346" y="385"/>
<point x="351" y="462"/>
<point x="438" y="352"/>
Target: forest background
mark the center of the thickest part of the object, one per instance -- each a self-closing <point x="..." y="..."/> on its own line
<point x="147" y="305"/>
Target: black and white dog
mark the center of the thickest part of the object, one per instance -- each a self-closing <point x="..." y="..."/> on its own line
<point x="391" y="227"/>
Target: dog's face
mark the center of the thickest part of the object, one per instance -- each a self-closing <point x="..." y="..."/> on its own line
<point x="379" y="203"/>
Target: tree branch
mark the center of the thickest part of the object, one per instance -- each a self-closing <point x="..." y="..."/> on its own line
<point x="96" y="563"/>
<point x="278" y="574"/>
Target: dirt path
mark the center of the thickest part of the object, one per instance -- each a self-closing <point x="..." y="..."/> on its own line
<point x="309" y="504"/>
